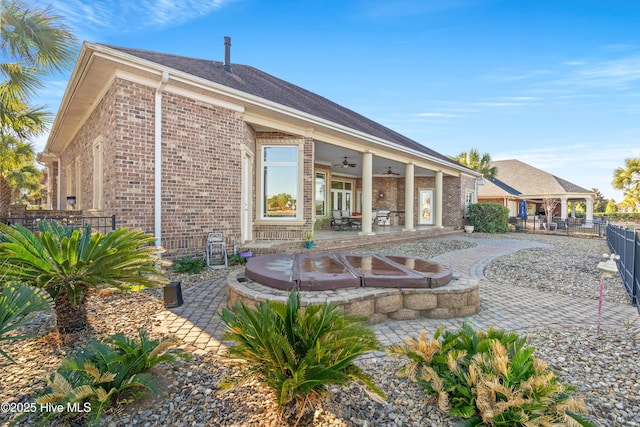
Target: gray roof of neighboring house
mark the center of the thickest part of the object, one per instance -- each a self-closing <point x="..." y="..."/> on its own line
<point x="515" y="178"/>
<point x="255" y="82"/>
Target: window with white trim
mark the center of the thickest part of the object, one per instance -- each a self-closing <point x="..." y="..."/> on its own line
<point x="469" y="198"/>
<point x="98" y="174"/>
<point x="78" y="168"/>
<point x="280" y="189"/>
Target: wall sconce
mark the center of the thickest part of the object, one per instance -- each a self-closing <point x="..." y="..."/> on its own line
<point x="380" y="195"/>
<point x="71" y="201"/>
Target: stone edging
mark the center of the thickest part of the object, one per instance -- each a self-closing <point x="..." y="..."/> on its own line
<point x="459" y="298"/>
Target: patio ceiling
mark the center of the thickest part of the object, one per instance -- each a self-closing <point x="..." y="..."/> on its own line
<point x="333" y="155"/>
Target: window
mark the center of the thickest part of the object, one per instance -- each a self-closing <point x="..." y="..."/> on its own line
<point x="97" y="174"/>
<point x="280" y="188"/>
<point x="69" y="184"/>
<point x="78" y="167"/>
<point x="469" y="198"/>
<point x="321" y="194"/>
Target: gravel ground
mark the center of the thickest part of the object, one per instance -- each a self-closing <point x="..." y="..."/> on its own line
<point x="604" y="368"/>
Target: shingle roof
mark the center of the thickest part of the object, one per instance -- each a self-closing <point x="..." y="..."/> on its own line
<point x="252" y="81"/>
<point x="518" y="178"/>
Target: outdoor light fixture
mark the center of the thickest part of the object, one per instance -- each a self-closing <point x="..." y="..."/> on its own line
<point x="71" y="201"/>
<point x="380" y="195"/>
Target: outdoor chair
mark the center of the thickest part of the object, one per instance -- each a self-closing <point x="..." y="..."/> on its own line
<point x="216" y="251"/>
<point x="336" y="220"/>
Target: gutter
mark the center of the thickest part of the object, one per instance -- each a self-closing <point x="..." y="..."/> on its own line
<point x="157" y="220"/>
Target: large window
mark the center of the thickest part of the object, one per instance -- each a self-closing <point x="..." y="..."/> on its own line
<point x="321" y="194"/>
<point x="280" y="182"/>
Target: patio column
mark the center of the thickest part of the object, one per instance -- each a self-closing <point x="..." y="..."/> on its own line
<point x="563" y="207"/>
<point x="367" y="191"/>
<point x="438" y="200"/>
<point x="589" y="218"/>
<point x="409" y="179"/>
<point x="573" y="209"/>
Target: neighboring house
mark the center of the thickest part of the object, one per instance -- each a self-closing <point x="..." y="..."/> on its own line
<point x="180" y="146"/>
<point x="517" y="181"/>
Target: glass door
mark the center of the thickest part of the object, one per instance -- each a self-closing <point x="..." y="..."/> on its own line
<point x="341" y="195"/>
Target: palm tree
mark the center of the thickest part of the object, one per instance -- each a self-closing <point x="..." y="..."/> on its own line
<point x="68" y="262"/>
<point x="479" y="163"/>
<point x="628" y="179"/>
<point x="16" y="158"/>
<point x="33" y="43"/>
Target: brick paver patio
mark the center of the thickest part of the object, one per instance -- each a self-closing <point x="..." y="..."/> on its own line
<point x="508" y="307"/>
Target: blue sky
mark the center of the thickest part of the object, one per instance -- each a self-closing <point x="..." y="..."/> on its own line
<point x="553" y="83"/>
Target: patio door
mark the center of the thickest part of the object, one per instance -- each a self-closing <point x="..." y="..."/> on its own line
<point x="342" y="195"/>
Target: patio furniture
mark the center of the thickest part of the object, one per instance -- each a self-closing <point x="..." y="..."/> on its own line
<point x="337" y="221"/>
<point x="383" y="217"/>
<point x="216" y="251"/>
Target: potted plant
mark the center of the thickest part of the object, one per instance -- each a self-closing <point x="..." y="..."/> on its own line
<point x="308" y="238"/>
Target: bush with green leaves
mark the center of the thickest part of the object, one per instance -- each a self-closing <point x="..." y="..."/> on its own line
<point x="298" y="354"/>
<point x="114" y="370"/>
<point x="17" y="301"/>
<point x="188" y="264"/>
<point x="489" y="378"/>
<point x="487" y="217"/>
<point x="68" y="262"/>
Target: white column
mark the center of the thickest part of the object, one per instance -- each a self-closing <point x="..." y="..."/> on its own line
<point x="438" y="200"/>
<point x="409" y="178"/>
<point x="563" y="207"/>
<point x="589" y="218"/>
<point x="367" y="190"/>
<point x="573" y="209"/>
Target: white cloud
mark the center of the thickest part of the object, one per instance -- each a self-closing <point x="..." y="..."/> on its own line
<point x="617" y="74"/>
<point x="122" y="16"/>
<point x="436" y="115"/>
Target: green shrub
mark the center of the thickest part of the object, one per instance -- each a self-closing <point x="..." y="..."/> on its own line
<point x="17" y="301"/>
<point x="188" y="265"/>
<point x="298" y="355"/>
<point x="487" y="217"/>
<point x="490" y="378"/>
<point x="111" y="370"/>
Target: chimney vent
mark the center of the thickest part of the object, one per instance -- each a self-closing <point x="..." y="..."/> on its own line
<point x="227" y="54"/>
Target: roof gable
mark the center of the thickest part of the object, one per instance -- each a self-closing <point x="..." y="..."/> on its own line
<point x="519" y="178"/>
<point x="252" y="81"/>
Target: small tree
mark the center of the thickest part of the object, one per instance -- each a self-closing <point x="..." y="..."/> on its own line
<point x="611" y="207"/>
<point x="68" y="262"/>
<point x="549" y="205"/>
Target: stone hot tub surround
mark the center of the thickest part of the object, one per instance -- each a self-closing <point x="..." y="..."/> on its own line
<point x="459" y="298"/>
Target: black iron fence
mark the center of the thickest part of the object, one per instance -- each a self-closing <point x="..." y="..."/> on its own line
<point x="625" y="242"/>
<point x="595" y="227"/>
<point x="103" y="224"/>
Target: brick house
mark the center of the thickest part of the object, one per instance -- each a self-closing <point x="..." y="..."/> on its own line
<point x="180" y="146"/>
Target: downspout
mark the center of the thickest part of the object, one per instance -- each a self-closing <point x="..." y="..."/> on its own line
<point x="157" y="221"/>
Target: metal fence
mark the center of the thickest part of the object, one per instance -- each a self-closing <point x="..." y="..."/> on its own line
<point x="626" y="243"/>
<point x="596" y="227"/>
<point x="103" y="224"/>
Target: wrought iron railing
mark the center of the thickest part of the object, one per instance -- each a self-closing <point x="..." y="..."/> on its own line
<point x="625" y="242"/>
<point x="103" y="224"/>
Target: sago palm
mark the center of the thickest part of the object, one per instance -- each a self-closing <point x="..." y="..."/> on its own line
<point x="298" y="355"/>
<point x="67" y="262"/>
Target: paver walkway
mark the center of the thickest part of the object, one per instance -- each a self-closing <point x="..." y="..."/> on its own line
<point x="507" y="307"/>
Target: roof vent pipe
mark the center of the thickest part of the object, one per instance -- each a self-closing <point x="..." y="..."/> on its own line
<point x="227" y="54"/>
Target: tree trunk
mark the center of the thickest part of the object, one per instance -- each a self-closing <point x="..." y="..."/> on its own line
<point x="5" y="197"/>
<point x="70" y="318"/>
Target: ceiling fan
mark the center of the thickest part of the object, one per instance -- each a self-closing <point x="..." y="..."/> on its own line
<point x="389" y="172"/>
<point x="346" y="164"/>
